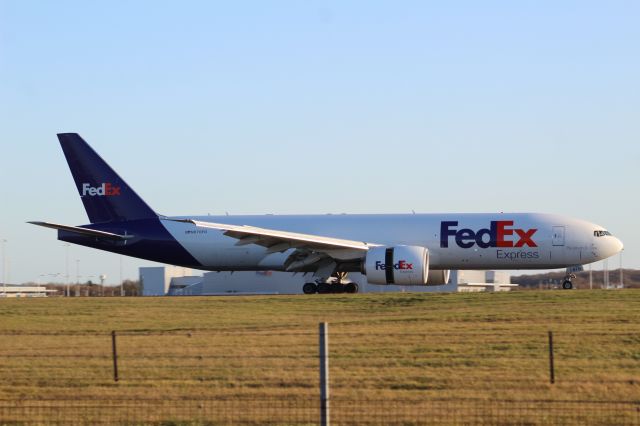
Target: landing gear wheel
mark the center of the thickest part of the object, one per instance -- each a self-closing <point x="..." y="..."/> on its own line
<point x="351" y="288"/>
<point x="309" y="288"/>
<point x="324" y="288"/>
<point x="336" y="288"/>
<point x="566" y="282"/>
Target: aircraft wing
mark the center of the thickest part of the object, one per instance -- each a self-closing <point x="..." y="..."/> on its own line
<point x="312" y="251"/>
<point x="279" y="241"/>
<point x="84" y="231"/>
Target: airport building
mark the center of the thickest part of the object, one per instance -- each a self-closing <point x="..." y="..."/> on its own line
<point x="467" y="281"/>
<point x="24" y="291"/>
<point x="156" y="281"/>
<point x="176" y="281"/>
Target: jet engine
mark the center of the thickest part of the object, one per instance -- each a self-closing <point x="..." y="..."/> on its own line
<point x="438" y="277"/>
<point x="399" y="265"/>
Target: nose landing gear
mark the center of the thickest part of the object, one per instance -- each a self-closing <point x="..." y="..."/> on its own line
<point x="566" y="283"/>
<point x="333" y="284"/>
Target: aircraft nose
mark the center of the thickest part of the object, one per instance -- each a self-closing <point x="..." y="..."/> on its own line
<point x="613" y="246"/>
<point x="618" y="245"/>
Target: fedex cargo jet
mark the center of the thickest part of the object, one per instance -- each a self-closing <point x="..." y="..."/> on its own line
<point x="390" y="249"/>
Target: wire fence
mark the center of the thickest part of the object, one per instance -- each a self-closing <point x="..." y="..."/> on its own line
<point x="307" y="411"/>
<point x="271" y="376"/>
<point x="357" y="358"/>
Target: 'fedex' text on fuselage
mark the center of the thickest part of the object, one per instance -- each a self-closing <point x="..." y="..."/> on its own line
<point x="499" y="234"/>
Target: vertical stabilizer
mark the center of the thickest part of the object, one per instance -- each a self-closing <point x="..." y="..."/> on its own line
<point x="105" y="195"/>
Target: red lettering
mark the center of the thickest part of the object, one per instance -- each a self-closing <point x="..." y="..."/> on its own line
<point x="525" y="238"/>
<point x="501" y="232"/>
<point x="111" y="190"/>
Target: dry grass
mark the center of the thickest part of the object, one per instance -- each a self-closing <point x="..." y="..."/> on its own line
<point x="383" y="346"/>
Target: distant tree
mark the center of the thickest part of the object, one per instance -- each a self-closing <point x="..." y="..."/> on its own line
<point x="131" y="288"/>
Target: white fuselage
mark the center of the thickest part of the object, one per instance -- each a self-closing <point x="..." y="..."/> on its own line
<point x="454" y="241"/>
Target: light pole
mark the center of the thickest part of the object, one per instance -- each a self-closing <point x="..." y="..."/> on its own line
<point x="121" y="282"/>
<point x="77" y="277"/>
<point x="66" y="277"/>
<point x="103" y="278"/>
<point x="4" y="269"/>
<point x="621" y="272"/>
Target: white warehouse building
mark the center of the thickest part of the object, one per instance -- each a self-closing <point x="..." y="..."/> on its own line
<point x="177" y="281"/>
<point x="155" y="281"/>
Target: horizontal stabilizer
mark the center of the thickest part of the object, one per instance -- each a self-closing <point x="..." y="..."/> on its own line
<point x="83" y="231"/>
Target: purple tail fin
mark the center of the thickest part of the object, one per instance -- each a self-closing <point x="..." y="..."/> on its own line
<point x="105" y="195"/>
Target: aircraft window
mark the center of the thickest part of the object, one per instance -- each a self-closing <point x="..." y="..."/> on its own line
<point x="601" y="233"/>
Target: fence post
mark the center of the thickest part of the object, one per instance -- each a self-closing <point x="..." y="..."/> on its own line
<point x="552" y="377"/>
<point x="324" y="374"/>
<point x="115" y="356"/>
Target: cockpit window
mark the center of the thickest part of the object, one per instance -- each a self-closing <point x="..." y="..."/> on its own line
<point x="601" y="233"/>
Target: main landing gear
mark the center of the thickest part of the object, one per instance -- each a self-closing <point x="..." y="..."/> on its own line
<point x="333" y="284"/>
<point x="566" y="282"/>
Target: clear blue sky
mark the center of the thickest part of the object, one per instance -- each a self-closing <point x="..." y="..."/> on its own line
<point x="314" y="107"/>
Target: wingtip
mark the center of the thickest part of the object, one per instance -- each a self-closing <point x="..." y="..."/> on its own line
<point x="40" y="223"/>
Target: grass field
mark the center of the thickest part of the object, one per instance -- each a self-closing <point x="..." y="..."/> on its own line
<point x="382" y="346"/>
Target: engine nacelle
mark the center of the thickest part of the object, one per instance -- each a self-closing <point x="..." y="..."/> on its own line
<point x="399" y="265"/>
<point x="438" y="276"/>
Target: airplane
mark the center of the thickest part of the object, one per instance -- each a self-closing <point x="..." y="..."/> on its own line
<point x="390" y="249"/>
